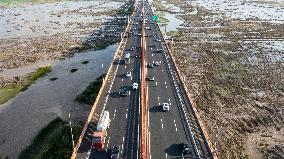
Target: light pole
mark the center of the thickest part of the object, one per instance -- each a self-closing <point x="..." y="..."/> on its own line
<point x="71" y="131"/>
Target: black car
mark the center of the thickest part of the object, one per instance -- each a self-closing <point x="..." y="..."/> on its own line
<point x="185" y="148"/>
<point x="115" y="152"/>
<point x="124" y="92"/>
<point x="150" y="65"/>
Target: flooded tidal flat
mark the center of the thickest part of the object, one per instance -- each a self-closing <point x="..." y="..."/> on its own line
<point x="35" y="33"/>
<point x="231" y="54"/>
<point x="53" y="95"/>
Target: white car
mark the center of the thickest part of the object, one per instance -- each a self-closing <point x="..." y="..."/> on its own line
<point x="151" y="78"/>
<point x="128" y="74"/>
<point x="166" y="107"/>
<point x="135" y="86"/>
<point x="157" y="63"/>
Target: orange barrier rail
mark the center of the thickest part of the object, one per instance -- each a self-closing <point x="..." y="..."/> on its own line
<point x="144" y="134"/>
<point x="73" y="156"/>
<point x="201" y="123"/>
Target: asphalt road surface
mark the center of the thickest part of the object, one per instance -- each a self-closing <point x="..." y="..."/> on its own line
<point x="167" y="130"/>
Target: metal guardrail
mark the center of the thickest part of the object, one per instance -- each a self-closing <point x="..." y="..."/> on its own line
<point x="75" y="150"/>
<point x="193" y="104"/>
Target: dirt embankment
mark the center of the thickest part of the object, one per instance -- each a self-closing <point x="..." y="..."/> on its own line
<point x="34" y="33"/>
<point x="235" y="71"/>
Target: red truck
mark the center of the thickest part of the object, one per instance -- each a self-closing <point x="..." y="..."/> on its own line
<point x="101" y="131"/>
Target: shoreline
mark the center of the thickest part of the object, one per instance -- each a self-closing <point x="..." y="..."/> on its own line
<point x="54" y="94"/>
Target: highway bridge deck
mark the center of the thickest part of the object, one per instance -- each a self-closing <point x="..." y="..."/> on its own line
<point x="167" y="130"/>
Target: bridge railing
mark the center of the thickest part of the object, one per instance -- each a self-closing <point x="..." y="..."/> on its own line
<point x="200" y="122"/>
<point x="89" y="119"/>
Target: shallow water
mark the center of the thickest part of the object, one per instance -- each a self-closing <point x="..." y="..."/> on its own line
<point x="23" y="116"/>
<point x="264" y="10"/>
<point x="46" y="19"/>
<point x="174" y="23"/>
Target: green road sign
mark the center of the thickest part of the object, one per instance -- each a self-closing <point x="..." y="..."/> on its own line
<point x="156" y="18"/>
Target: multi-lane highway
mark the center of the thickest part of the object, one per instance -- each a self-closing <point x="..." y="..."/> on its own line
<point x="166" y="130"/>
<point x="169" y="129"/>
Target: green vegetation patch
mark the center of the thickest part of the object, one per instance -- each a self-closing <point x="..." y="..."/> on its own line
<point x="53" y="142"/>
<point x="163" y="19"/>
<point x="159" y="6"/>
<point x="11" y="90"/>
<point x="88" y="96"/>
<point x="173" y="33"/>
<point x="42" y="71"/>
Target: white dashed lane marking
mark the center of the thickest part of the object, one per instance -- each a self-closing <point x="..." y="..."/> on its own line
<point x="175" y="125"/>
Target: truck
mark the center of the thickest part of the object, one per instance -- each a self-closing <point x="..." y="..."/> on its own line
<point x="100" y="132"/>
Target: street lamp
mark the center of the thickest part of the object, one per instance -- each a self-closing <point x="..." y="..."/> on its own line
<point x="71" y="131"/>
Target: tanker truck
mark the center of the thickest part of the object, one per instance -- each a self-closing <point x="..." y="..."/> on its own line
<point x="100" y="132"/>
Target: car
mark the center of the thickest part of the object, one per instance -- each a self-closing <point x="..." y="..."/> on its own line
<point x="135" y="86"/>
<point x="132" y="49"/>
<point x="139" y="34"/>
<point x="151" y="78"/>
<point x="148" y="28"/>
<point x="150" y="65"/>
<point x="159" y="40"/>
<point x="166" y="107"/>
<point x="115" y="152"/>
<point x="185" y="148"/>
<point x="157" y="64"/>
<point x="124" y="92"/>
<point x="159" y="50"/>
<point x="136" y="56"/>
<point x="128" y="74"/>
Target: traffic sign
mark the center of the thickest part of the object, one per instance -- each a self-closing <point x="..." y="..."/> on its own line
<point x="156" y="18"/>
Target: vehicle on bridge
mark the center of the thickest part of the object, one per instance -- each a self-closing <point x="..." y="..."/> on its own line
<point x="185" y="148"/>
<point x="135" y="86"/>
<point x="115" y="152"/>
<point x="128" y="74"/>
<point x="127" y="57"/>
<point x="151" y="78"/>
<point x="166" y="107"/>
<point x="101" y="132"/>
<point x="150" y="65"/>
<point x="124" y="92"/>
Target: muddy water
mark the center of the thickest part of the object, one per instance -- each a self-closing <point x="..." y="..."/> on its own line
<point x="266" y="10"/>
<point x="46" y="19"/>
<point x="174" y="23"/>
<point x="23" y="116"/>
